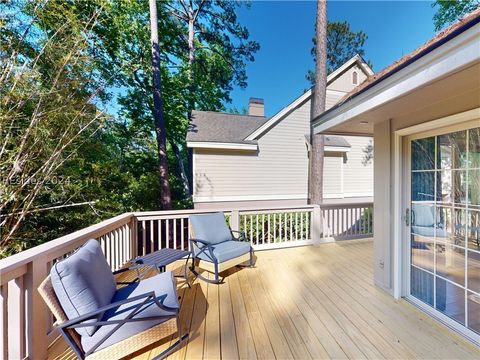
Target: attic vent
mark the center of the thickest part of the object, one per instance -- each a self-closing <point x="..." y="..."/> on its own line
<point x="354" y="78"/>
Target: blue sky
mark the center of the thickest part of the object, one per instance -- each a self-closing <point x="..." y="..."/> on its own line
<point x="284" y="30"/>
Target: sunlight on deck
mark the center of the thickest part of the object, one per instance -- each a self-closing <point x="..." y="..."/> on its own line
<point x="301" y="303"/>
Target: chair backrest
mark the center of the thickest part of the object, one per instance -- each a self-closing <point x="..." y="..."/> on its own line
<point x="48" y="295"/>
<point x="212" y="228"/>
<point x="423" y="215"/>
<point x="83" y="282"/>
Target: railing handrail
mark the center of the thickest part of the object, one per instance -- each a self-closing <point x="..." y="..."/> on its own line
<point x="223" y="209"/>
<point x="347" y="205"/>
<point x="12" y="262"/>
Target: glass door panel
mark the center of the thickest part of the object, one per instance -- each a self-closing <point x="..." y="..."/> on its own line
<point x="445" y="224"/>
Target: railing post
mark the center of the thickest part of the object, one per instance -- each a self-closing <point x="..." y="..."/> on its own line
<point x="36" y="310"/>
<point x="235" y="220"/>
<point x="316" y="224"/>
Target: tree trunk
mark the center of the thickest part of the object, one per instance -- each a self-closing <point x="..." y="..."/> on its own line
<point x="318" y="104"/>
<point x="188" y="180"/>
<point x="160" y="130"/>
<point x="181" y="168"/>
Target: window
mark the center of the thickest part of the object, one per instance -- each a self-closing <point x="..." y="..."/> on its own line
<point x="354" y="78"/>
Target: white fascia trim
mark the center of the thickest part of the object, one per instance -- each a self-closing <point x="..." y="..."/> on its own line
<point x="218" y="145"/>
<point x="356" y="59"/>
<point x="249" y="198"/>
<point x="455" y="54"/>
<point x="337" y="148"/>
<point x="304" y="97"/>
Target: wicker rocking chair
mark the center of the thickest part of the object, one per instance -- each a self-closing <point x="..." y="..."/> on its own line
<point x="136" y="316"/>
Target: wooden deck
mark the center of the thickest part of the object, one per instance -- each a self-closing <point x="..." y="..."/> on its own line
<point x="301" y="303"/>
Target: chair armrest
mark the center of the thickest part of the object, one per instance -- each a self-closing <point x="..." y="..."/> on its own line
<point x="92" y="314"/>
<point x="241" y="235"/>
<point x="203" y="242"/>
<point x="206" y="246"/>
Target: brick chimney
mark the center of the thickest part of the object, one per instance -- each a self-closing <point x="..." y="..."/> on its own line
<point x="256" y="107"/>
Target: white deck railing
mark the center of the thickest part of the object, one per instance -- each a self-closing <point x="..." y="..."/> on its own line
<point x="27" y="326"/>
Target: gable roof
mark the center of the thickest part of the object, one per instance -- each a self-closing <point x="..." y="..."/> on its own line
<point x="355" y="60"/>
<point x="209" y="129"/>
<point x="439" y="39"/>
<point x="217" y="127"/>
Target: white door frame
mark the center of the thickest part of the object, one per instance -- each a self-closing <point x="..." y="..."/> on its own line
<point x="401" y="259"/>
<point x="399" y="186"/>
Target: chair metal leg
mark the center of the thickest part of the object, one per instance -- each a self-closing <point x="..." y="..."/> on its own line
<point x="217" y="279"/>
<point x="171" y="348"/>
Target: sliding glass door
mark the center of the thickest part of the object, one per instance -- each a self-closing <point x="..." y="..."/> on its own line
<point x="444" y="226"/>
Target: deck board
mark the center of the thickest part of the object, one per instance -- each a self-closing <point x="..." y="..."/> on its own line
<point x="300" y="303"/>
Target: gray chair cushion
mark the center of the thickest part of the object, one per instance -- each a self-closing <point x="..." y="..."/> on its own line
<point x="423" y="215"/>
<point x="211" y="228"/>
<point x="164" y="287"/>
<point x="226" y="251"/>
<point x="83" y="282"/>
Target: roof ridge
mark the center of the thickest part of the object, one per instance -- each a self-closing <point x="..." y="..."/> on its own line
<point x="232" y="114"/>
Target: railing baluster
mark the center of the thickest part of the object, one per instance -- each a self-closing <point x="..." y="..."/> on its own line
<point x="4" y="321"/>
<point x="269" y="237"/>
<point x="116" y="250"/>
<point x="16" y="319"/>
<point x="263" y="229"/>
<point x="182" y="237"/>
<point x="124" y="244"/>
<point x="174" y="233"/>
<point x="251" y="228"/>
<point x="167" y="232"/>
<point x="245" y="224"/>
<point x="151" y="237"/>
<point x="144" y="237"/>
<point x="256" y="228"/>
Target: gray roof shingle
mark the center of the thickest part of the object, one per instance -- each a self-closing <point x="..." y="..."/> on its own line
<point x="336" y="141"/>
<point x="209" y="126"/>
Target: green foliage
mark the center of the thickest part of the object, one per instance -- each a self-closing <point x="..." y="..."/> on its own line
<point x="276" y="227"/>
<point x="76" y="107"/>
<point x="449" y="11"/>
<point x="366" y="221"/>
<point x="342" y="45"/>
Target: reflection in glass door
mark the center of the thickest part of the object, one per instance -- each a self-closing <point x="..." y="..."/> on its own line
<point x="445" y="225"/>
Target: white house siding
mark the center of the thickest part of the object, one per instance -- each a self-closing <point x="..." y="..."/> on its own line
<point x="333" y="96"/>
<point x="357" y="171"/>
<point x="278" y="170"/>
<point x="332" y="178"/>
<point x="344" y="81"/>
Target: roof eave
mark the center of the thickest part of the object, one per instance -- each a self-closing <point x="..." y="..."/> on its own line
<point x="221" y="145"/>
<point x="458" y="31"/>
<point x="344" y="111"/>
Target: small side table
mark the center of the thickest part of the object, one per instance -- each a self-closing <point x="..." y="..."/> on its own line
<point x="160" y="259"/>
